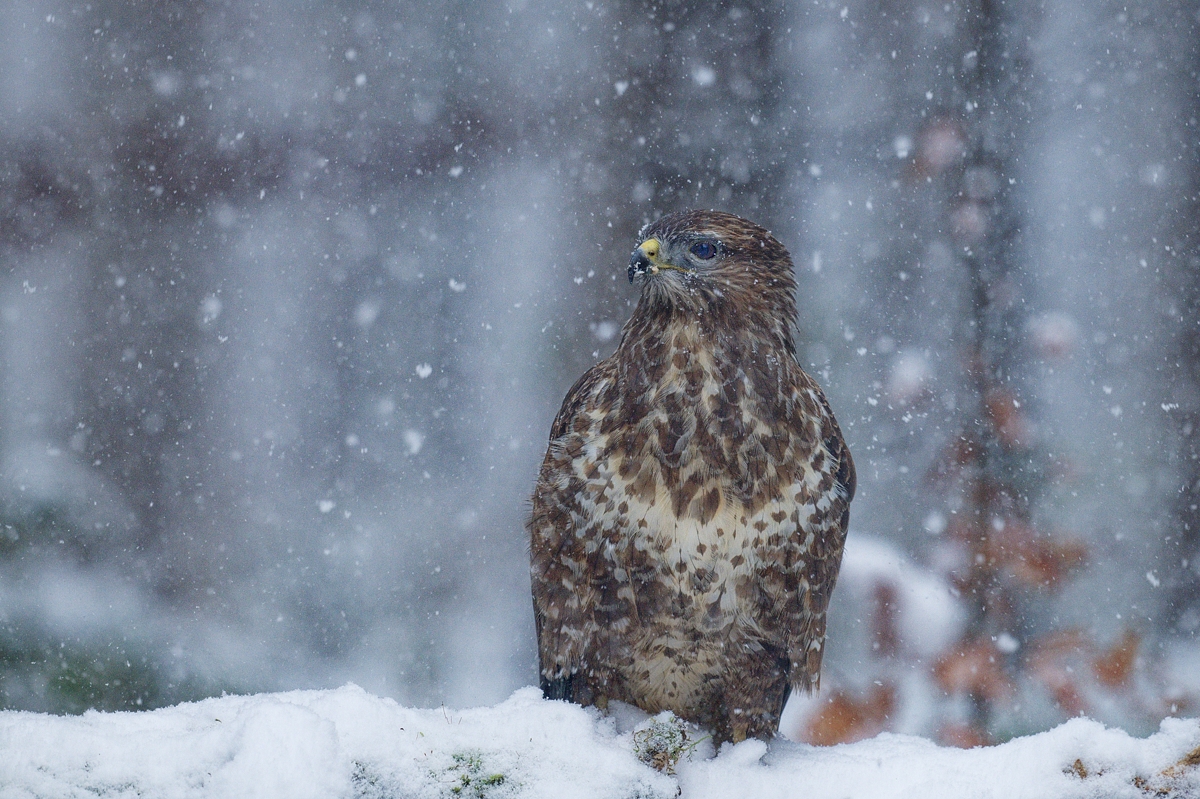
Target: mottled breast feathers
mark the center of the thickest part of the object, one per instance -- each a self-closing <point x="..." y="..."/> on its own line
<point x="690" y="514"/>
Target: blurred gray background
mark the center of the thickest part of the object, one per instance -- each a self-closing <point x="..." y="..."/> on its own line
<point x="291" y="291"/>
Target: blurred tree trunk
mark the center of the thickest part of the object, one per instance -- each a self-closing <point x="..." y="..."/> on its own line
<point x="1180" y="613"/>
<point x="691" y="117"/>
<point x="995" y="471"/>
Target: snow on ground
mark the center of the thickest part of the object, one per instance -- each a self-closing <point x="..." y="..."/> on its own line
<point x="348" y="743"/>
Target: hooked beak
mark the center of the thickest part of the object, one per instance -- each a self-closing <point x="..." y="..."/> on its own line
<point x="645" y="259"/>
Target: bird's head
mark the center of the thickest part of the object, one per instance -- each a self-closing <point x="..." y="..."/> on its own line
<point x="696" y="260"/>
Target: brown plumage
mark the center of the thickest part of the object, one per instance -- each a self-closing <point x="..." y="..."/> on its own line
<point x="690" y="514"/>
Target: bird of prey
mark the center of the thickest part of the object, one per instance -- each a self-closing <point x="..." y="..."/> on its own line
<point x="689" y="517"/>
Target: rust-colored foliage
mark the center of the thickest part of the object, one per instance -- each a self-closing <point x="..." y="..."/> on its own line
<point x="1032" y="560"/>
<point x="973" y="668"/>
<point x="1189" y="761"/>
<point x="963" y="736"/>
<point x="1049" y="662"/>
<point x="845" y="719"/>
<point x="1059" y="661"/>
<point x="1013" y="549"/>
<point x="1115" y="665"/>
<point x="1011" y="427"/>
<point x="1168" y="783"/>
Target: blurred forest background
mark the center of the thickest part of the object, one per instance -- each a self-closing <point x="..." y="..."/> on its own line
<point x="291" y="292"/>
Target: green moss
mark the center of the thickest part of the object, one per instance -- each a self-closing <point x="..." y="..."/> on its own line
<point x="39" y="673"/>
<point x="368" y="784"/>
<point x="42" y="670"/>
<point x="471" y="780"/>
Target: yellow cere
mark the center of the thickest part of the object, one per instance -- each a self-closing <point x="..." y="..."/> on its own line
<point x="650" y="248"/>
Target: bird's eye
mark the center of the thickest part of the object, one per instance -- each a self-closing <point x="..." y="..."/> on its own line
<point x="704" y="250"/>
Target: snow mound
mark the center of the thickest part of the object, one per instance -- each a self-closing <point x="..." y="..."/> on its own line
<point x="347" y="743"/>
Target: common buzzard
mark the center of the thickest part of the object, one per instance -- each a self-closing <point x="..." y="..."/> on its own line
<point x="690" y="514"/>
